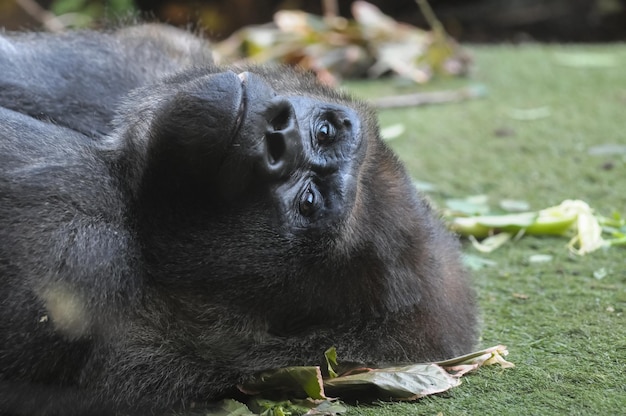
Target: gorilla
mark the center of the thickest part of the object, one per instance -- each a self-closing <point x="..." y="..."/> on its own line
<point x="169" y="227"/>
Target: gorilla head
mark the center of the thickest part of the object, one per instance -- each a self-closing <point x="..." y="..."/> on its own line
<point x="229" y="220"/>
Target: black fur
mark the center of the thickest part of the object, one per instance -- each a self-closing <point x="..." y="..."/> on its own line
<point x="169" y="227"/>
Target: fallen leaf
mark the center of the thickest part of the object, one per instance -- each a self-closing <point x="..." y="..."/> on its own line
<point x="295" y="381"/>
<point x="392" y="132"/>
<point x="540" y="258"/>
<point x="472" y="205"/>
<point x="472" y="361"/>
<point x="294" y="407"/>
<point x="570" y="215"/>
<point x="588" y="237"/>
<point x="424" y="186"/>
<point x="400" y="383"/>
<point x="408" y="382"/>
<point x="474" y="262"/>
<point x="372" y="44"/>
<point x="331" y="361"/>
<point x="490" y="243"/>
<point x="229" y="407"/>
<point x="513" y="205"/>
<point x="601" y="273"/>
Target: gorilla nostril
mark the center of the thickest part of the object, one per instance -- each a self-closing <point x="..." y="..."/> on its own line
<point x="282" y="117"/>
<point x="275" y="148"/>
<point x="282" y="138"/>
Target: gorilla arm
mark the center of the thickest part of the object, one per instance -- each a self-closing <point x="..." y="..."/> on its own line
<point x="77" y="79"/>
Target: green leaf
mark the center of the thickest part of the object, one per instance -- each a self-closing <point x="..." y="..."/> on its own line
<point x="408" y="382"/>
<point x="472" y="205"/>
<point x="474" y="262"/>
<point x="424" y="186"/>
<point x="331" y="361"/>
<point x="60" y="7"/>
<point x="299" y="381"/>
<point x="265" y="407"/>
<point x="508" y="222"/>
<point x="229" y="407"/>
<point x="513" y="205"/>
<point x="328" y="408"/>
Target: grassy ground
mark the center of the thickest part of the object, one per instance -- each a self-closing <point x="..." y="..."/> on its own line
<point x="565" y="328"/>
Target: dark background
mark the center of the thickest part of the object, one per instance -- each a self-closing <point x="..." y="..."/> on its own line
<point x="466" y="20"/>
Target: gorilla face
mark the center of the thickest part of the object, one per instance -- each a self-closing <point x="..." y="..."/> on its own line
<point x="240" y="160"/>
<point x="234" y="136"/>
<point x="203" y="223"/>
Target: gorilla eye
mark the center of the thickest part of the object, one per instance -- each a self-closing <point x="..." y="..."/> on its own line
<point x="307" y="202"/>
<point x="325" y="132"/>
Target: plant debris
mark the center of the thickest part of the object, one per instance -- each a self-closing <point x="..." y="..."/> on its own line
<point x="372" y="44"/>
<point x="588" y="231"/>
<point x="303" y="390"/>
<point x="428" y="98"/>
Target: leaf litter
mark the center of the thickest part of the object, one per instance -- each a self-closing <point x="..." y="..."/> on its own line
<point x="488" y="230"/>
<point x="371" y="44"/>
<point x="292" y="391"/>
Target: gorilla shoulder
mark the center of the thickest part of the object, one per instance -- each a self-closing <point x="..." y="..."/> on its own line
<point x="77" y="79"/>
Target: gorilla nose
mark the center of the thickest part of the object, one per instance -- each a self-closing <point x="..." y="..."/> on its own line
<point x="283" y="143"/>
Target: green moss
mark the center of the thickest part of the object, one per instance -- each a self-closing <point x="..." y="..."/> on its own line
<point x="565" y="328"/>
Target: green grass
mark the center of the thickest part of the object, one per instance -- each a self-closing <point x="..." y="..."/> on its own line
<point x="567" y="333"/>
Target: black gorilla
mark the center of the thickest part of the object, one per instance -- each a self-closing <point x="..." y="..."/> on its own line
<point x="169" y="227"/>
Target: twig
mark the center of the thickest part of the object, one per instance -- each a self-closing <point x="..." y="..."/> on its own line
<point x="330" y="8"/>
<point x="425" y="98"/>
<point x="47" y="19"/>
<point x="430" y="16"/>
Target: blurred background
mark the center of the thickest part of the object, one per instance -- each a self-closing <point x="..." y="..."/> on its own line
<point x="465" y="20"/>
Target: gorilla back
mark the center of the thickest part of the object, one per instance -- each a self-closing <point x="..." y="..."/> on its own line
<point x="216" y="222"/>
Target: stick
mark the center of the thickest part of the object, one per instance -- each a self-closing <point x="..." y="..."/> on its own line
<point x="330" y="8"/>
<point x="425" y="98"/>
<point x="47" y="19"/>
